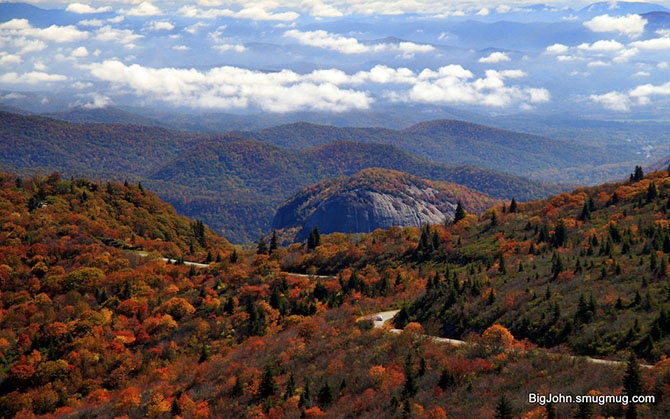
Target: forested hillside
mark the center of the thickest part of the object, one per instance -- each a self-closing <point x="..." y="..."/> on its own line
<point x="234" y="184"/>
<point x="462" y="143"/>
<point x="91" y="327"/>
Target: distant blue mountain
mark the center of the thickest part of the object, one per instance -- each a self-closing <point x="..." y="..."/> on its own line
<point x="620" y="8"/>
<point x="36" y="15"/>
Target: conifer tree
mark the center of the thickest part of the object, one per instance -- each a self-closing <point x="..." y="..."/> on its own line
<point x="268" y="386"/>
<point x="262" y="248"/>
<point x="503" y="409"/>
<point x="513" y="206"/>
<point x="325" y="395"/>
<point x="632" y="384"/>
<point x="273" y="241"/>
<point x="460" y="213"/>
<point x="314" y="239"/>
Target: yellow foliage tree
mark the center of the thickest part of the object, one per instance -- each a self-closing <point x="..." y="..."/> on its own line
<point x="498" y="338"/>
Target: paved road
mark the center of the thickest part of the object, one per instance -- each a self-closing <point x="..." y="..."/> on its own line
<point x="380" y="319"/>
<point x="166" y="260"/>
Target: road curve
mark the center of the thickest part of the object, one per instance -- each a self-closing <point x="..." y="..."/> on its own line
<point x="381" y="318"/>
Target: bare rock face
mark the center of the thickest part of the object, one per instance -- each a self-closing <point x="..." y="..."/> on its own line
<point x="362" y="203"/>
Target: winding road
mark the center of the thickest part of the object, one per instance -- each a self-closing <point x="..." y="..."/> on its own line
<point x="381" y="318"/>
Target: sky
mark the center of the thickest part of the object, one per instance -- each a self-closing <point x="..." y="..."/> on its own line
<point x="339" y="55"/>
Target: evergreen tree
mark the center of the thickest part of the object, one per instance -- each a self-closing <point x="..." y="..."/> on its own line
<point x="410" y="387"/>
<point x="560" y="235"/>
<point x="314" y="239"/>
<point x="503" y="409"/>
<point x="585" y="215"/>
<point x="325" y="396"/>
<point x="638" y="175"/>
<point x="262" y="248"/>
<point x="273" y="241"/>
<point x="584" y="411"/>
<point x="268" y="386"/>
<point x="306" y="395"/>
<point x="632" y="384"/>
<point x="513" y="206"/>
<point x="237" y="389"/>
<point x="652" y="192"/>
<point x="460" y="213"/>
<point x="551" y="411"/>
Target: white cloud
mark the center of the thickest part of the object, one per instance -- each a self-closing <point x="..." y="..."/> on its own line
<point x="9" y="59"/>
<point x="83" y="9"/>
<point x="121" y="36"/>
<point x="253" y="13"/>
<point x="598" y="64"/>
<point x="80" y="52"/>
<point x="94" y="23"/>
<point x="60" y="34"/>
<point x="652" y="44"/>
<point x="195" y="12"/>
<point x="615" y="101"/>
<point x="644" y="93"/>
<point x="453" y="85"/>
<point x="231" y="87"/>
<point x="344" y="45"/>
<point x="229" y="47"/>
<point x="602" y="46"/>
<point x="161" y="26"/>
<point x="33" y="77"/>
<point x="144" y="9"/>
<point x="181" y="48"/>
<point x="641" y="74"/>
<point x="629" y="25"/>
<point x="625" y="55"/>
<point x="257" y="13"/>
<point x="195" y="28"/>
<point x="557" y="49"/>
<point x="98" y="101"/>
<point x="494" y="58"/>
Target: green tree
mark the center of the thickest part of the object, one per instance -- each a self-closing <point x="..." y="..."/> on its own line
<point x="273" y="241"/>
<point x="460" y="213"/>
<point x="314" y="239"/>
<point x="325" y="395"/>
<point x="262" y="248"/>
<point x="632" y="384"/>
<point x="503" y="409"/>
<point x="652" y="192"/>
<point x="513" y="206"/>
<point x="268" y="386"/>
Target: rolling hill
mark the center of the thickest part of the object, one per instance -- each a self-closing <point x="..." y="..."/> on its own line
<point x="232" y="183"/>
<point x="463" y="143"/>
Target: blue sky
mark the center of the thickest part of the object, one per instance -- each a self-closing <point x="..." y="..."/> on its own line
<point x="342" y="55"/>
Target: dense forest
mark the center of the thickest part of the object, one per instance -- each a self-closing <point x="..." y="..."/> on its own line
<point x="94" y="323"/>
<point x="231" y="182"/>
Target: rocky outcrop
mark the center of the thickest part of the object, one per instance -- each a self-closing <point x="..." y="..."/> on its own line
<point x="371" y="199"/>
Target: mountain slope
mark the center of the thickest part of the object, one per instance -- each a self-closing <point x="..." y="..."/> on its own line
<point x="371" y="199"/>
<point x="251" y="178"/>
<point x="586" y="270"/>
<point x="34" y="141"/>
<point x="232" y="183"/>
<point x="461" y="143"/>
